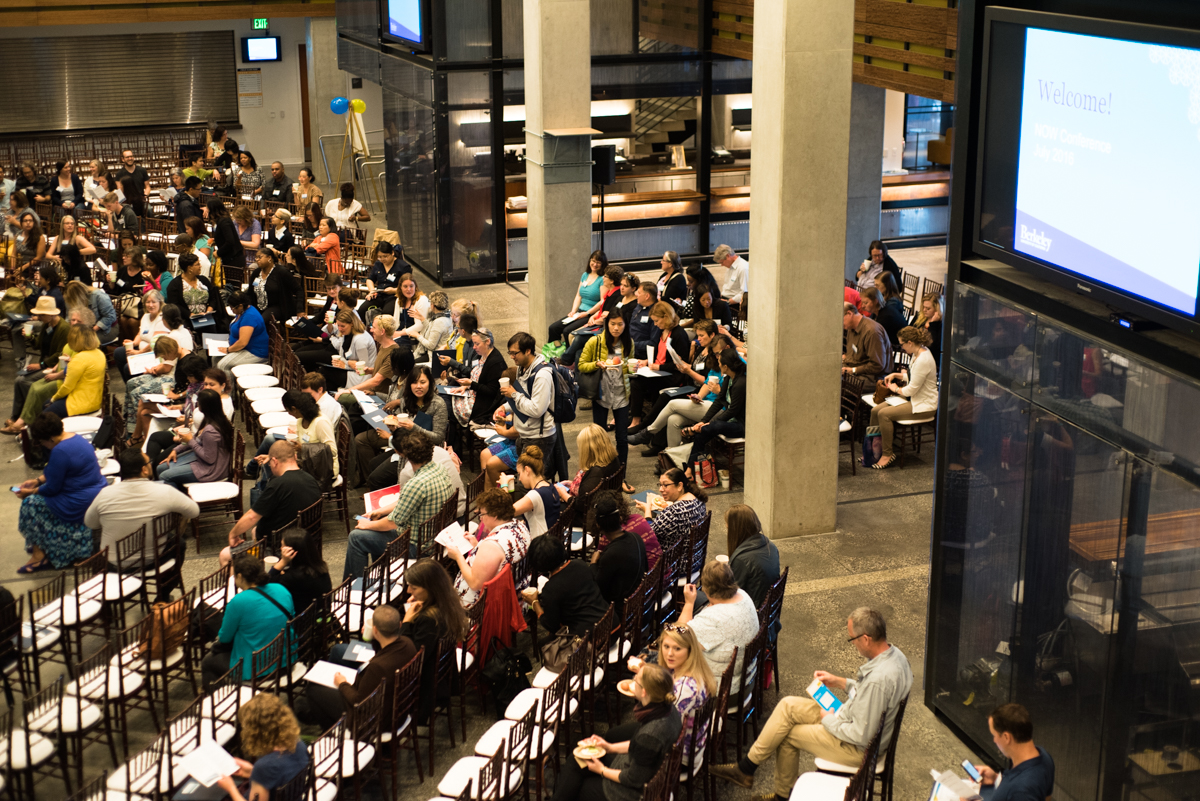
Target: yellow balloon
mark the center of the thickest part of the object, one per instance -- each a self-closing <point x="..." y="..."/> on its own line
<point x="358" y="106"/>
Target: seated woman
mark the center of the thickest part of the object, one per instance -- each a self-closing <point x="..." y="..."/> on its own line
<point x="414" y="407"/>
<point x="157" y="378"/>
<point x="587" y="300"/>
<point x="248" y="341"/>
<point x="352" y="346"/>
<point x="279" y="239"/>
<point x="930" y="319"/>
<point x="369" y="444"/>
<point x="679" y="652"/>
<point x="610" y="296"/>
<point x="378" y="377"/>
<point x="500" y="456"/>
<point x="326" y="245"/>
<point x="68" y="234"/>
<point x="465" y="315"/>
<point x="301" y="569"/>
<point x="85" y="296"/>
<point x="506" y="543"/>
<point x="597" y="462"/>
<point x="251" y="621"/>
<point x="481" y="397"/>
<point x="753" y="558"/>
<point x="432" y="615"/>
<point x="275" y="289"/>
<point x="570" y="597"/>
<point x="727" y="415"/>
<point x="189" y="380"/>
<point x="82" y="390"/>
<point x="672" y="281"/>
<point x="195" y="295"/>
<point x="383" y="282"/>
<point x="634" y="524"/>
<point x="729" y="620"/>
<point x="708" y="305"/>
<point x="685" y="508"/>
<point x="921" y="391"/>
<point x="619" y="567"/>
<point x="54" y="503"/>
<point x="433" y="333"/>
<point x="271" y="734"/>
<point x="540" y="505"/>
<point x="44" y="389"/>
<point x="672" y="338"/>
<point x="150" y="328"/>
<point x="212" y="446"/>
<point x="633" y="751"/>
<point x="608" y="353"/>
<point x="704" y="371"/>
<point x="412" y="305"/>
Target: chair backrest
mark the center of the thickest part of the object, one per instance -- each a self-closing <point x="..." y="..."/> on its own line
<point x="407" y="694"/>
<point x="310" y="520"/>
<point x="89" y="580"/>
<point x="325" y="752"/>
<point x="599" y="639"/>
<point x="305" y="643"/>
<point x="42" y="711"/>
<point x="889" y="759"/>
<point x="664" y="781"/>
<point x="183" y="731"/>
<point x="698" y="725"/>
<point x="714" y="748"/>
<point x="374" y="585"/>
<point x="520" y="740"/>
<point x="470" y="643"/>
<point x="253" y="547"/>
<point x="631" y="618"/>
<point x="752" y="658"/>
<point x="554" y="699"/>
<point x="932" y="286"/>
<point x="174" y="617"/>
<point x="472" y="490"/>
<point x="698" y="547"/>
<point x="491" y="777"/>
<point x="266" y="664"/>
<point x="338" y="604"/>
<point x="142" y="774"/>
<point x="772" y="605"/>
<point x="95" y="790"/>
<point x="91" y="679"/>
<point x="11" y="618"/>
<point x="213" y="592"/>
<point x="364" y="727"/>
<point x="862" y="783"/>
<point x="396" y="554"/>
<point x="908" y="296"/>
<point x="648" y="597"/>
<point x="293" y="789"/>
<point x="46" y="605"/>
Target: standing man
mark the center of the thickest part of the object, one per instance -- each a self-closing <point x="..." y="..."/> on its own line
<point x="737" y="280"/>
<point x="800" y="724"/>
<point x="187" y="202"/>
<point x="868" y="351"/>
<point x="1031" y="777"/>
<point x="531" y="397"/>
<point x="136" y="172"/>
<point x="278" y="187"/>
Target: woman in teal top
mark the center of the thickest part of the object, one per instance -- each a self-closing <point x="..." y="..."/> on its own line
<point x="587" y="299"/>
<point x="253" y="618"/>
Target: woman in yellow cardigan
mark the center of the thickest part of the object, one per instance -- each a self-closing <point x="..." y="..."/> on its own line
<point x="83" y="388"/>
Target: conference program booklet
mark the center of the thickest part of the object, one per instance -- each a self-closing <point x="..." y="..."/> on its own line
<point x="821" y="694"/>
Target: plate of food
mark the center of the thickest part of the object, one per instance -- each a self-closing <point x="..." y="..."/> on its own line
<point x="625" y="687"/>
<point x="589" y="752"/>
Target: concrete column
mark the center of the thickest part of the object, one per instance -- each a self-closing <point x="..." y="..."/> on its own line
<point x="325" y="82"/>
<point x="864" y="184"/>
<point x="558" y="87"/>
<point x="802" y="90"/>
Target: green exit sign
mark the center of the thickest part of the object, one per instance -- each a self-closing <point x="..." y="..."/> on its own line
<point x="262" y="24"/>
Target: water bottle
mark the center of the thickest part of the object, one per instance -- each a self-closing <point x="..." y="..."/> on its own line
<point x="368" y="631"/>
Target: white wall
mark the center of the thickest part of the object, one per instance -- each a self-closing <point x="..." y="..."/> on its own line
<point x="893" y="131"/>
<point x="273" y="132"/>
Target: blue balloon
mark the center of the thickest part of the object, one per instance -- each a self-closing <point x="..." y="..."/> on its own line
<point x="339" y="105"/>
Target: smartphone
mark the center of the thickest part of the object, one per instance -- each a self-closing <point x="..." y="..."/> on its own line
<point x="975" y="775"/>
<point x="362" y="517"/>
<point x="15" y="489"/>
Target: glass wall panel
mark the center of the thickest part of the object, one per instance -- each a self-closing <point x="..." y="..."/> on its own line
<point x="467" y="30"/>
<point x="358" y="18"/>
<point x="409" y="148"/>
<point x="983" y="497"/>
<point x="994" y="338"/>
<point x="472" y="232"/>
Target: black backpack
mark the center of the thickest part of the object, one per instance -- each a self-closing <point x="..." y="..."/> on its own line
<point x="507" y="674"/>
<point x="566" y="392"/>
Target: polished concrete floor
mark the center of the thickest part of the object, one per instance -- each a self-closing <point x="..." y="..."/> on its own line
<point x="877" y="556"/>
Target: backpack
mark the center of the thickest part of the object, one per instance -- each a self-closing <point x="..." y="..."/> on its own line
<point x="566" y="393"/>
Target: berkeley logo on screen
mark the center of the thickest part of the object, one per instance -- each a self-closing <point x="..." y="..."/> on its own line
<point x="1030" y="236"/>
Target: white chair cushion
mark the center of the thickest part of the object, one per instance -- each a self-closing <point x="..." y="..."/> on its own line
<point x="916" y="421"/>
<point x="41" y="748"/>
<point x="118" y="780"/>
<point x="843" y="426"/>
<point x="65" y="613"/>
<point x="388" y="736"/>
<point x="732" y="440"/>
<point x="46" y="636"/>
<point x="276" y="419"/>
<point x="467" y="770"/>
<point x="81" y="424"/>
<point x="819" y="787"/>
<point x="618" y="651"/>
<point x="324" y="790"/>
<point x="268" y="405"/>
<point x="110" y="684"/>
<point x="76" y="716"/>
<point x="173" y="658"/>
<point x="458" y="658"/>
<point x="251" y="369"/>
<point x="869" y="399"/>
<point x="262" y="393"/>
<point x="117" y="586"/>
<point x="366" y="753"/>
<point x="211" y="491"/>
<point x="532" y="698"/>
<point x="257" y="381"/>
<point x="496" y="738"/>
<point x="825" y="766"/>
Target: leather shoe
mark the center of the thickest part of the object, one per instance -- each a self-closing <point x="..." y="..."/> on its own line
<point x="731" y="773"/>
<point x="640" y="438"/>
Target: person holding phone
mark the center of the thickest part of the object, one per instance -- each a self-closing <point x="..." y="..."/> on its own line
<point x="1031" y="776"/>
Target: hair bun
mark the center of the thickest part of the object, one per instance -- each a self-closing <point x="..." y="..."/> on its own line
<point x="532" y="451"/>
<point x="669" y="698"/>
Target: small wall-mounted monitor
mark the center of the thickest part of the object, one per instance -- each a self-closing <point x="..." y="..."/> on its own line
<point x="261" y="48"/>
<point x="407" y="22"/>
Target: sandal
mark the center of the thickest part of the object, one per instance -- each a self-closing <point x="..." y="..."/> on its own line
<point x="627" y="488"/>
<point x="35" y="567"/>
<point x="878" y="466"/>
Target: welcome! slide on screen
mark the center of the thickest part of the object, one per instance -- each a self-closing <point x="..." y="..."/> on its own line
<point x="1109" y="170"/>
<point x="404" y="19"/>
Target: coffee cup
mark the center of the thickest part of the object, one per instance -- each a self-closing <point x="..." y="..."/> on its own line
<point x="329" y="316"/>
<point x="270" y="560"/>
<point x="112" y="276"/>
<point x="361" y="368"/>
<point x="504" y="382"/>
<point x="722" y="557"/>
<point x="633" y="364"/>
<point x="402" y="416"/>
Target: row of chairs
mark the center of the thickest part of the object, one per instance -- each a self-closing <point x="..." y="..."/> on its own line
<point x="151" y="147"/>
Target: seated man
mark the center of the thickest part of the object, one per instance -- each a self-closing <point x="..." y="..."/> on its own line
<point x="423" y="496"/>
<point x="392" y="652"/>
<point x="386" y="473"/>
<point x="800" y="724"/>
<point x="868" y="351"/>
<point x="1031" y="777"/>
<point x="290" y="492"/>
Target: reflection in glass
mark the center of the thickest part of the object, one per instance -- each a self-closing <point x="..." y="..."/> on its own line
<point x="410" y="173"/>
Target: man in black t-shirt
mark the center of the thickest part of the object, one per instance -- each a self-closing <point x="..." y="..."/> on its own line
<point x="136" y="173"/>
<point x="290" y="492"/>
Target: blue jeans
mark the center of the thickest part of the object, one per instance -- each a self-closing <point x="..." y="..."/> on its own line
<point x="365" y="547"/>
<point x="710" y="432"/>
<point x="621" y="418"/>
<point x="577" y="344"/>
<point x="176" y="475"/>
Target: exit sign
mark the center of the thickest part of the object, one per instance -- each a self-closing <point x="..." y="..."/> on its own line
<point x="262" y="24"/>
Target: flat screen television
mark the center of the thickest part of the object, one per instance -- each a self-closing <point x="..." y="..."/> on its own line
<point x="1089" y="160"/>
<point x="261" y="48"/>
<point x="406" y="22"/>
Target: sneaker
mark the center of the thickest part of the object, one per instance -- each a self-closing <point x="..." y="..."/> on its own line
<point x="731" y="773"/>
<point x="642" y="437"/>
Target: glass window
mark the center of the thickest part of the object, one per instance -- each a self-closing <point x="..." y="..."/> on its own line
<point x="409" y="149"/>
<point x="924" y="119"/>
<point x="994" y="338"/>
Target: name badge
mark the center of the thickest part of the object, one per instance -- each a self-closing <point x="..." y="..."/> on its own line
<point x="854" y="348"/>
<point x="646" y="319"/>
<point x="276" y="192"/>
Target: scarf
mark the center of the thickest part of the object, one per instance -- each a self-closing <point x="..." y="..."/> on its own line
<point x="645" y="714"/>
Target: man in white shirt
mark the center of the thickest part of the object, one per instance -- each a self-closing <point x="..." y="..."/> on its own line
<point x="737" y="280"/>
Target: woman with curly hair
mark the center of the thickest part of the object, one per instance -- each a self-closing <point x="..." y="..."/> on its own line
<point x="270" y="734"/>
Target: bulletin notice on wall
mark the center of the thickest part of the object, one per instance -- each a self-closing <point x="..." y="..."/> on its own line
<point x="250" y="88"/>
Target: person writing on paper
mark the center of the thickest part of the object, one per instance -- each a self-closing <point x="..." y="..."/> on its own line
<point x="150" y="328"/>
<point x="671" y="344"/>
<point x="633" y="751"/>
<point x="289" y="493"/>
<point x="271" y="734"/>
<point x="608" y="353"/>
<point x="569" y="597"/>
<point x="800" y="724"/>
<point x="868" y="352"/>
<point x="920" y="390"/>
<point x="1031" y="776"/>
<point x="393" y="651"/>
<point x="422" y="497"/>
<point x="587" y="300"/>
<point x="432" y="615"/>
<point x="506" y="544"/>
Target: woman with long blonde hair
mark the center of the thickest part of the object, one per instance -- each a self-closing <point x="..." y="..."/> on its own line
<point x="681" y="653"/>
<point x="597" y="461"/>
<point x="270" y="734"/>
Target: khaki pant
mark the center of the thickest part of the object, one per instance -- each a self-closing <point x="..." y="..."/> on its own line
<point x="795" y="726"/>
<point x="886" y="417"/>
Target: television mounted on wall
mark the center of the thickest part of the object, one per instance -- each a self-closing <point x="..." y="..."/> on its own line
<point x="406" y="22"/>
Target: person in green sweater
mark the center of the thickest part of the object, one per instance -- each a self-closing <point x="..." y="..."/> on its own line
<point x="253" y="618"/>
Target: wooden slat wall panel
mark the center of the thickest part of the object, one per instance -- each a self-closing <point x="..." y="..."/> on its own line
<point x="670" y="35"/>
<point x="906" y="56"/>
<point x="911" y="83"/>
<point x="23" y="13"/>
<point x="736" y="48"/>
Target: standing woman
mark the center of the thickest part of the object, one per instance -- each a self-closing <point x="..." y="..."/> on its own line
<point x="326" y="244"/>
<point x="671" y="283"/>
<point x="540" y="505"/>
<point x="247" y="180"/>
<point x="249" y="230"/>
<point x="66" y="189"/>
<point x="345" y="209"/>
<point x="609" y="353"/>
<point x="309" y="194"/>
<point x="74" y="266"/>
<point x="216" y="146"/>
<point x="54" y="503"/>
<point x="212" y="446"/>
<point x="921" y="391"/>
<point x="727" y="415"/>
<point x="231" y="255"/>
<point x="432" y="615"/>
<point x="671" y="343"/>
<point x="194" y="295"/>
<point x="685" y="508"/>
<point x="587" y="299"/>
<point x="274" y="287"/>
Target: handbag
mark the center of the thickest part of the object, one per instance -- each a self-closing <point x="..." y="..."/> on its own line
<point x="557" y="652"/>
<point x="129" y="306"/>
<point x="706" y="471"/>
<point x="881" y="392"/>
<point x="872" y="446"/>
<point x="162" y="638"/>
<point x="589" y="384"/>
<point x="217" y="275"/>
<point x="507" y="673"/>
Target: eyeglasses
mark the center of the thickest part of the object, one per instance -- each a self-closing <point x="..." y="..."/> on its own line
<point x="514" y="353"/>
<point x="662" y="485"/>
<point x="852" y="639"/>
<point x="676" y="629"/>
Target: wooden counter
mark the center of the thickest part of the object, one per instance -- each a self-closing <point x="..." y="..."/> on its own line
<point x="1104" y="541"/>
<point x="621" y="206"/>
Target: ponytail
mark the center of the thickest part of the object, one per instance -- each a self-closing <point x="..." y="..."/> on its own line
<point x="677" y="476"/>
